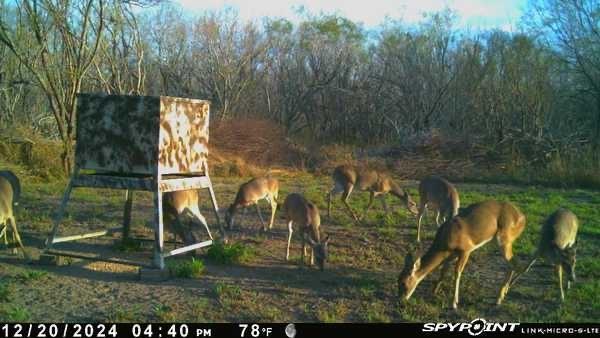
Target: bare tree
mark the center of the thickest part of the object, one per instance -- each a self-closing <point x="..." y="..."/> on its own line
<point x="572" y="28"/>
<point x="63" y="49"/>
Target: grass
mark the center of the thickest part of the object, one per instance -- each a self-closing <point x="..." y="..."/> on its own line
<point x="359" y="283"/>
<point x="6" y="291"/>
<point x="164" y="313"/>
<point x="333" y="311"/>
<point x="120" y="314"/>
<point x="14" y="313"/>
<point x="31" y="275"/>
<point x="186" y="269"/>
<point x="236" y="253"/>
<point x="225" y="291"/>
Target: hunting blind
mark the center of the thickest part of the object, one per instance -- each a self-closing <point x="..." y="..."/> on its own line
<point x="148" y="143"/>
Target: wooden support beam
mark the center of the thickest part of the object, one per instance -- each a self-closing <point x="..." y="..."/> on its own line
<point x="127" y="213"/>
<point x="88" y="235"/>
<point x="96" y="258"/>
<point x="187" y="248"/>
<point x="184" y="183"/>
<point x="113" y="182"/>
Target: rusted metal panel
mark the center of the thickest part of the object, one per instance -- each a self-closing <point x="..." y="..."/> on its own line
<point x="141" y="134"/>
<point x="183" y="135"/>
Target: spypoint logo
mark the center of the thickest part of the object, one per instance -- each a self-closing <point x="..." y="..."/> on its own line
<point x="474" y="328"/>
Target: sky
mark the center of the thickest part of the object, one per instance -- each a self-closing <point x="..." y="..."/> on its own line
<point x="476" y="14"/>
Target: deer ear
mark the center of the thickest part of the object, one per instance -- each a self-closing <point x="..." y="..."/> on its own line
<point x="326" y="240"/>
<point x="409" y="262"/>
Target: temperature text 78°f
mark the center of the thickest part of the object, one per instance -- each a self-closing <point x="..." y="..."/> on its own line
<point x="254" y="330"/>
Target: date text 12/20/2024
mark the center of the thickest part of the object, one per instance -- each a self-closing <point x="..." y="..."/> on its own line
<point x="172" y="330"/>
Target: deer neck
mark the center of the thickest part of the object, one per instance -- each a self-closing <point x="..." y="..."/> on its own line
<point x="431" y="260"/>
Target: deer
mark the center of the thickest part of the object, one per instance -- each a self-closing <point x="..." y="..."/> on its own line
<point x="458" y="237"/>
<point x="179" y="206"/>
<point x="347" y="177"/>
<point x="299" y="210"/>
<point x="557" y="245"/>
<point x="436" y="193"/>
<point x="10" y="190"/>
<point x="250" y="193"/>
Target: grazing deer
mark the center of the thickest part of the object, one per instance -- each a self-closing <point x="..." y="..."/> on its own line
<point x="298" y="209"/>
<point x="558" y="246"/>
<point x="250" y="193"/>
<point x="10" y="190"/>
<point x="179" y="206"/>
<point x="440" y="195"/>
<point x="346" y="178"/>
<point x="472" y="228"/>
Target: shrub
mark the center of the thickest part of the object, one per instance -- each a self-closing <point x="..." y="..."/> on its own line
<point x="230" y="253"/>
<point x="38" y="155"/>
<point x="186" y="269"/>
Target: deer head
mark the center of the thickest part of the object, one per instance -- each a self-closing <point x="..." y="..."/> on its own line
<point x="568" y="260"/>
<point x="320" y="251"/>
<point x="408" y="281"/>
<point x="404" y="196"/>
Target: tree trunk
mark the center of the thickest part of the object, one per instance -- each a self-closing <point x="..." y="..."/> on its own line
<point x="67" y="156"/>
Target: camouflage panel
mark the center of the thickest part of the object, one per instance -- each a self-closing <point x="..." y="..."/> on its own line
<point x="183" y="143"/>
<point x="141" y="134"/>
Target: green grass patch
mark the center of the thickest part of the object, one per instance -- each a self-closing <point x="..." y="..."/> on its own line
<point x="14" y="313"/>
<point x="186" y="269"/>
<point x="374" y="312"/>
<point x="333" y="312"/>
<point x="6" y="291"/>
<point x="120" y="314"/>
<point x="31" y="275"/>
<point x="164" y="313"/>
<point x="236" y="253"/>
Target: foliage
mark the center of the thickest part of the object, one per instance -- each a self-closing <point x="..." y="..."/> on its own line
<point x="236" y="253"/>
<point x="186" y="269"/>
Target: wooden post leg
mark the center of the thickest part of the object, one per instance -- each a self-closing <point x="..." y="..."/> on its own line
<point x="127" y="213"/>
<point x="159" y="261"/>
<point x="60" y="212"/>
<point x="213" y="200"/>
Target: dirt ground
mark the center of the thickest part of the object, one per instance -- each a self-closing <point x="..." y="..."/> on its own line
<point x="359" y="283"/>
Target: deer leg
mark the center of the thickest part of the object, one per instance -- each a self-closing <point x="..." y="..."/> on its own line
<point x="422" y="208"/>
<point x="443" y="274"/>
<point x="345" y="197"/>
<point x="14" y="240"/>
<point x="273" y="209"/>
<point x="3" y="234"/>
<point x="303" y="248"/>
<point x="460" y="266"/>
<point x="290" y="231"/>
<point x="262" y="222"/>
<point x="506" y="249"/>
<point x="18" y="238"/>
<point x="521" y="272"/>
<point x="334" y="191"/>
<point x="559" y="270"/>
<point x="199" y="218"/>
<point x="371" y="198"/>
<point x="384" y="205"/>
